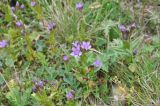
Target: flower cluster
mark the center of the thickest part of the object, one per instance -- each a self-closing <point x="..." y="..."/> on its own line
<point x="76" y="52"/>
<point x="77" y="46"/>
<point x="126" y="30"/>
<point x="21" y="6"/>
<point x="38" y="85"/>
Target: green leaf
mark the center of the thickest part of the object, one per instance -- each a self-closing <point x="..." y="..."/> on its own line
<point x="26" y="95"/>
<point x="8" y="16"/>
<point x="52" y="37"/>
<point x="114" y="33"/>
<point x="9" y="61"/>
<point x="90" y="57"/>
<point x="39" y="11"/>
<point x="40" y="45"/>
<point x="100" y="41"/>
<point x="14" y="97"/>
<point x="79" y="77"/>
<point x="41" y="58"/>
<point x="43" y="99"/>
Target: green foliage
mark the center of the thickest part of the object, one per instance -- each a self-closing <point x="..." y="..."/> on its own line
<point x="16" y="98"/>
<point x="33" y="70"/>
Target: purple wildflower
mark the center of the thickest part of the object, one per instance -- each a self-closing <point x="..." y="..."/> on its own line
<point x="22" y="6"/>
<point x="13" y="9"/>
<point x="51" y="25"/>
<point x="3" y="44"/>
<point x="17" y="4"/>
<point x="97" y="63"/>
<point x="79" y="6"/>
<point x="86" y="45"/>
<point x="70" y="95"/>
<point x="65" y="58"/>
<point x="125" y="31"/>
<point x="122" y="28"/>
<point x="33" y="3"/>
<point x="76" y="44"/>
<point x="34" y="89"/>
<point x="40" y="84"/>
<point x="18" y="24"/>
<point x="76" y="52"/>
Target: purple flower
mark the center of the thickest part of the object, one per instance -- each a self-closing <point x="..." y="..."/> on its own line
<point x="17" y="4"/>
<point x="3" y="44"/>
<point x="86" y="45"/>
<point x="76" y="44"/>
<point x="22" y="6"/>
<point x="79" y="6"/>
<point x="34" y="89"/>
<point x="76" y="52"/>
<point x="33" y="3"/>
<point x="51" y="26"/>
<point x="65" y="58"/>
<point x="122" y="28"/>
<point x="40" y="84"/>
<point x="13" y="9"/>
<point x="70" y="95"/>
<point x="18" y="24"/>
<point x="97" y="63"/>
